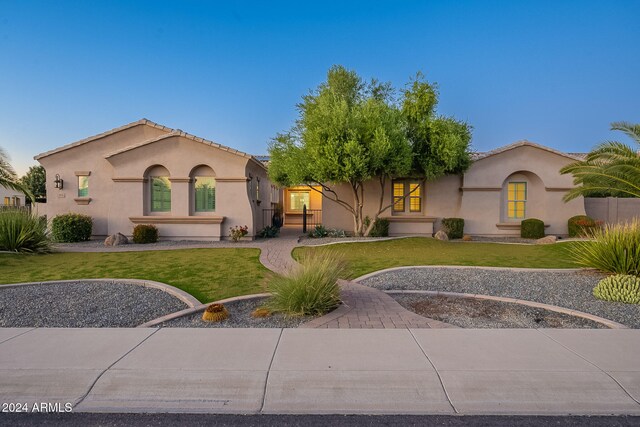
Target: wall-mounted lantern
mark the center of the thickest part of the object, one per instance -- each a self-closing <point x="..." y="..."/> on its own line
<point x="58" y="182"/>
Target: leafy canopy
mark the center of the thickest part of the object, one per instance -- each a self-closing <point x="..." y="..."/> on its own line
<point x="36" y="181"/>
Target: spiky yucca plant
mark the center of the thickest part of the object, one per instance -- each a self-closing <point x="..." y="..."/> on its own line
<point x="309" y="289"/>
<point x="612" y="168"/>
<point x="22" y="231"/>
<point x="613" y="249"/>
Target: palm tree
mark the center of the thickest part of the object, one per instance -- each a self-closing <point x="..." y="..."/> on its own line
<point x="8" y="177"/>
<point x="612" y="167"/>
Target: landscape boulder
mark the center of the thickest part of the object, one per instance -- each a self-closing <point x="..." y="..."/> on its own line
<point x="546" y="240"/>
<point x="116" y="240"/>
<point x="441" y="235"/>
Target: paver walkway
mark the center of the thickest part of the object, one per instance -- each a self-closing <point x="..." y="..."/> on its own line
<point x="362" y="307"/>
<point x="367" y="308"/>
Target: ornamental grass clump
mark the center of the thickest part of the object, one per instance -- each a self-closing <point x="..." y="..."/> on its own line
<point x="23" y="232"/>
<point x="215" y="313"/>
<point x="310" y="289"/>
<point x="620" y="288"/>
<point x="613" y="249"/>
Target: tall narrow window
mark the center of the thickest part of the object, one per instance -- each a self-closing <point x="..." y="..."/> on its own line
<point x="83" y="186"/>
<point x="398" y="196"/>
<point x="298" y="199"/>
<point x="7" y="201"/>
<point x="160" y="194"/>
<point x="415" y="197"/>
<point x="516" y="200"/>
<point x="258" y="190"/>
<point x="205" y="187"/>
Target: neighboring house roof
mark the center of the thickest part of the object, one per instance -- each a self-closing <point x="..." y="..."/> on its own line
<point x="264" y="159"/>
<point x="102" y="135"/>
<point x="524" y="143"/>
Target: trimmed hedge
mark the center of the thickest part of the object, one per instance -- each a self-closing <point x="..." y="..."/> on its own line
<point x="581" y="225"/>
<point x="145" y="233"/>
<point x="454" y="227"/>
<point x="71" y="227"/>
<point x="532" y="228"/>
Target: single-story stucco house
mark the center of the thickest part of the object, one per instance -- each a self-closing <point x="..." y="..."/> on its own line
<point x="192" y="188"/>
<point x="500" y="189"/>
<point x="12" y="198"/>
<point x="146" y="173"/>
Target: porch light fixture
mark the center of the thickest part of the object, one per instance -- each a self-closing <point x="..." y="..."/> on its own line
<point x="58" y="182"/>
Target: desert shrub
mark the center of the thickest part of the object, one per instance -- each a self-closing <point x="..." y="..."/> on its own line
<point x="620" y="287"/>
<point x="614" y="249"/>
<point x="145" y="233"/>
<point x="582" y="226"/>
<point x="269" y="231"/>
<point x="336" y="232"/>
<point x="309" y="289"/>
<point x="454" y="227"/>
<point x="71" y="227"/>
<point x="21" y="231"/>
<point x="532" y="228"/>
<point x="380" y="228"/>
<point x="319" y="231"/>
<point x="238" y="232"/>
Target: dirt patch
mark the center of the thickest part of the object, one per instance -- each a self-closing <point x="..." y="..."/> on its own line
<point x="476" y="313"/>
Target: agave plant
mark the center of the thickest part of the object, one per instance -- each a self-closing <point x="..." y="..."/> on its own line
<point x="612" y="167"/>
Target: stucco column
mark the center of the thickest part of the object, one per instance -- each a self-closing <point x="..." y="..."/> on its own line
<point x="180" y="196"/>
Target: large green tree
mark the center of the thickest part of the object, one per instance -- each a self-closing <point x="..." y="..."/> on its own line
<point x="612" y="168"/>
<point x="36" y="181"/>
<point x="8" y="177"/>
<point x="350" y="132"/>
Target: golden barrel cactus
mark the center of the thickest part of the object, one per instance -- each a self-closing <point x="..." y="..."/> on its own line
<point x="215" y="313"/>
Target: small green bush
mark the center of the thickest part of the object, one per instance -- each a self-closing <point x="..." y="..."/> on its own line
<point x="319" y="231"/>
<point x="614" y="249"/>
<point x="336" y="232"/>
<point x="310" y="289"/>
<point x="71" y="227"/>
<point x="582" y="226"/>
<point x="21" y="231"/>
<point x="269" y="231"/>
<point x="145" y="233"/>
<point x="380" y="228"/>
<point x="620" y="288"/>
<point x="454" y="227"/>
<point x="532" y="228"/>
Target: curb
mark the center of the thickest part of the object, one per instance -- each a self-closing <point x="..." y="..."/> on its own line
<point x="608" y="323"/>
<point x="195" y="309"/>
<point x="460" y="267"/>
<point x="185" y="297"/>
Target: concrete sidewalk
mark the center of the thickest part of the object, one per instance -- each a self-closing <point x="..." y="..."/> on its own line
<point x="390" y="371"/>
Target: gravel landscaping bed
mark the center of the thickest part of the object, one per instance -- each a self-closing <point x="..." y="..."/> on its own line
<point x="565" y="289"/>
<point x="475" y="313"/>
<point x="84" y="305"/>
<point x="239" y="317"/>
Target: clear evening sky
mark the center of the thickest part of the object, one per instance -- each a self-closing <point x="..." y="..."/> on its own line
<point x="555" y="72"/>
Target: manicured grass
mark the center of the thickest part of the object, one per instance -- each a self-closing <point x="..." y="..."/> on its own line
<point x="207" y="274"/>
<point x="367" y="257"/>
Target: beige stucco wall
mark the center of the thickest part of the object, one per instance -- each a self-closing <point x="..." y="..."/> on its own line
<point x="484" y="191"/>
<point x="119" y="189"/>
<point x="479" y="197"/>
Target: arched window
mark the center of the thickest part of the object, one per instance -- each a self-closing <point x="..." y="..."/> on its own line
<point x="159" y="189"/>
<point x="203" y="189"/>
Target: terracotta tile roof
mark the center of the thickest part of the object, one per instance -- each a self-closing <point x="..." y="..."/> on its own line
<point x="103" y="135"/>
<point x="481" y="155"/>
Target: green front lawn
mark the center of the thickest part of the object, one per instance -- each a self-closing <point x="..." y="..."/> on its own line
<point x="367" y="257"/>
<point x="207" y="274"/>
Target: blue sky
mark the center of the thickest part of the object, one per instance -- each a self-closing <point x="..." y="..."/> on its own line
<point x="555" y="72"/>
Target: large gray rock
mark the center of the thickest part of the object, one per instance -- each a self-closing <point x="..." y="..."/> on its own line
<point x="441" y="235"/>
<point x="546" y="240"/>
<point x="116" y="240"/>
